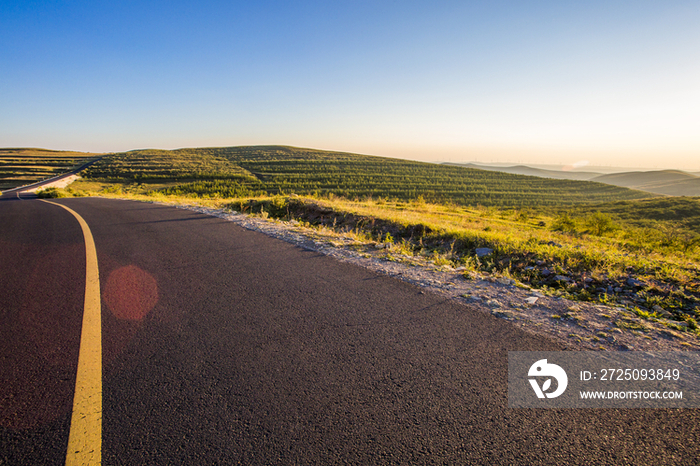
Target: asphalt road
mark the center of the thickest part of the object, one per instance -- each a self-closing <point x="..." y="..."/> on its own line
<point x="225" y="346"/>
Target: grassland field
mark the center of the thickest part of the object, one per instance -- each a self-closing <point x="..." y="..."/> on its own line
<point x="576" y="239"/>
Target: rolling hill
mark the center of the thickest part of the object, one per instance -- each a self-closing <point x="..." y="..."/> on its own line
<point x="255" y="170"/>
<point x="664" y="182"/>
<point x="668" y="182"/>
<point x="532" y="171"/>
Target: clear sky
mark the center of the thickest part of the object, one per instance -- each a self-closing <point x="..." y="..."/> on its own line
<point x="609" y="82"/>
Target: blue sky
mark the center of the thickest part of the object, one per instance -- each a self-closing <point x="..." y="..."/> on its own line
<point x="608" y="82"/>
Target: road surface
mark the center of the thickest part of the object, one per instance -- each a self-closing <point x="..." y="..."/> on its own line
<point x="224" y="346"/>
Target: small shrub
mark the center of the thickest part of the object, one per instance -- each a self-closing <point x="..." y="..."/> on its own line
<point x="51" y="193"/>
<point x="600" y="224"/>
<point x="116" y="189"/>
<point x="564" y="223"/>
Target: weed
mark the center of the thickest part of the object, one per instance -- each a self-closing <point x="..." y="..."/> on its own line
<point x="638" y="326"/>
<point x="676" y="327"/>
<point x="388" y="239"/>
<point x="647" y="315"/>
<point x="607" y="299"/>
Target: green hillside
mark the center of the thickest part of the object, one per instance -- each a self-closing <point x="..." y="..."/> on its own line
<point x="257" y="170"/>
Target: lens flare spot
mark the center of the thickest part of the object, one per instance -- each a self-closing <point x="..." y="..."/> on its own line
<point x="130" y="293"/>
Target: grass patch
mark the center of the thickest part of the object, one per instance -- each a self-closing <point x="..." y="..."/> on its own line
<point x="637" y="326"/>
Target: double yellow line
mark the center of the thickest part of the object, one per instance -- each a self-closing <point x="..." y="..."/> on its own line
<point x="85" y="438"/>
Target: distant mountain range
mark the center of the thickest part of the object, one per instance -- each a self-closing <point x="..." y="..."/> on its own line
<point x="667" y="182"/>
<point x="532" y="171"/>
<point x="670" y="182"/>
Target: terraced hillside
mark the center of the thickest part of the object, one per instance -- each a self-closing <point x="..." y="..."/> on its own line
<point x="19" y="167"/>
<point x="257" y="170"/>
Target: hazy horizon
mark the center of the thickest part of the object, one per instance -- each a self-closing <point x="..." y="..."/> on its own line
<point x="610" y="83"/>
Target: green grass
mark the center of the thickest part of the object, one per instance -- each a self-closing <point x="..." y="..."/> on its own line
<point x="665" y="225"/>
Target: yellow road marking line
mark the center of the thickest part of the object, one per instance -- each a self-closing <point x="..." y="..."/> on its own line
<point x="85" y="438"/>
